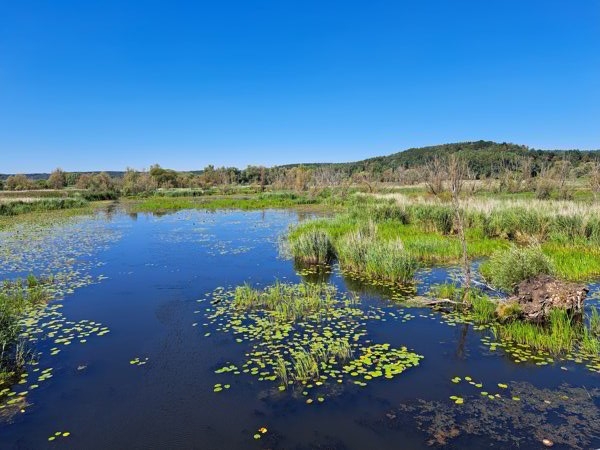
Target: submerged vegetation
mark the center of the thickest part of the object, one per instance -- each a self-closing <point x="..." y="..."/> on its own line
<point x="525" y="417"/>
<point x="60" y="254"/>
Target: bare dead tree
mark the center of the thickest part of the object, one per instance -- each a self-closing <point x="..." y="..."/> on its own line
<point x="545" y="183"/>
<point x="327" y="177"/>
<point x="526" y="172"/>
<point x="435" y="173"/>
<point x="365" y="178"/>
<point x="562" y="172"/>
<point x="458" y="173"/>
<point x="263" y="180"/>
<point x="595" y="180"/>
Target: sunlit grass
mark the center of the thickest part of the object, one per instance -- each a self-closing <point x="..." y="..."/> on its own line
<point x="574" y="262"/>
<point x="560" y="335"/>
<point x="14" y="208"/>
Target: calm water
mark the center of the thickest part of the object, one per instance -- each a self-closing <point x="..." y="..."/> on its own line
<point x="156" y="269"/>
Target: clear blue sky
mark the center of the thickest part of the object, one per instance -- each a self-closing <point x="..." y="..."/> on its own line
<point x="88" y="85"/>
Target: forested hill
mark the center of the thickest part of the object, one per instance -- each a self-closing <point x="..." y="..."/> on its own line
<point x="485" y="158"/>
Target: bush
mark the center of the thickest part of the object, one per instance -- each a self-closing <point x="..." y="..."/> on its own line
<point x="507" y="268"/>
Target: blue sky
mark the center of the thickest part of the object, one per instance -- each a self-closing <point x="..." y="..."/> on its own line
<point x="101" y="85"/>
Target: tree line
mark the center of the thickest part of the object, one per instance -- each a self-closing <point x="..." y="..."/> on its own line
<point x="513" y="168"/>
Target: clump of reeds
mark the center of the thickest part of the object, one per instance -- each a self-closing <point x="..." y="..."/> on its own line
<point x="362" y="252"/>
<point x="560" y="335"/>
<point x="306" y="366"/>
<point x="286" y="301"/>
<point x="312" y="247"/>
<point x="594" y="321"/>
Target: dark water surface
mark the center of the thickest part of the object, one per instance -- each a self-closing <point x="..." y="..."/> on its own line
<point x="157" y="269"/>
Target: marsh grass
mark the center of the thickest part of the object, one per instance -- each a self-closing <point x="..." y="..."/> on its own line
<point x="305" y="364"/>
<point x="574" y="262"/>
<point x="163" y="203"/>
<point x="160" y="204"/>
<point x="281" y="371"/>
<point x="515" y="218"/>
<point x="590" y="343"/>
<point x="358" y="246"/>
<point x="594" y="321"/>
<point x="362" y="252"/>
<point x="562" y="334"/>
<point x="566" y="232"/>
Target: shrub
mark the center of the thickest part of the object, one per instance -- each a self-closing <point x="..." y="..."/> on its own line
<point x="507" y="268"/>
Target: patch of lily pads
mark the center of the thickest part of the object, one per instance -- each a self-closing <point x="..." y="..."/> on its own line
<point x="306" y="339"/>
<point x="44" y="327"/>
<point x="63" y="255"/>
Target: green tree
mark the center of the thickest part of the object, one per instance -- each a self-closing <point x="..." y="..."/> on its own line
<point x="57" y="179"/>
